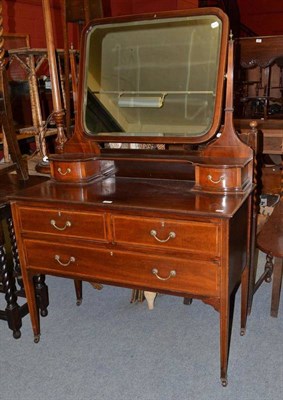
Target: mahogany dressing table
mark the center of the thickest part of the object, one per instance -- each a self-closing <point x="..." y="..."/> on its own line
<point x="173" y="221"/>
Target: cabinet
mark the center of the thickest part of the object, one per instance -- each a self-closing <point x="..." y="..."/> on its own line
<point x="142" y="242"/>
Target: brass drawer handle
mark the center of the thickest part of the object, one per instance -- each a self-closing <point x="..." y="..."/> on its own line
<point x="67" y="224"/>
<point x="171" y="235"/>
<point x="71" y="260"/>
<point x="172" y="274"/>
<point x="68" y="171"/>
<point x="209" y="177"/>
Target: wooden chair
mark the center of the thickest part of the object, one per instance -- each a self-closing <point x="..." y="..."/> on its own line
<point x="270" y="241"/>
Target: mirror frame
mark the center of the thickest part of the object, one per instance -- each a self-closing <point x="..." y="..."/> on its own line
<point x="216" y="121"/>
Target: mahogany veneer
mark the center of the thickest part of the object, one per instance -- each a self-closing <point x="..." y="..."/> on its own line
<point x="154" y="220"/>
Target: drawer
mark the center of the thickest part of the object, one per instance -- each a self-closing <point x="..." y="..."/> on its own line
<point x="63" y="222"/>
<point x="124" y="268"/>
<point x="73" y="168"/>
<point x="200" y="237"/>
<point x="223" y="179"/>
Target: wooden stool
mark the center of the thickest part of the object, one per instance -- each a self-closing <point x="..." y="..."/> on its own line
<point x="270" y="241"/>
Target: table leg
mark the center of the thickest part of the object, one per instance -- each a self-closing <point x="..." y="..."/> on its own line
<point x="12" y="310"/>
<point x="15" y="254"/>
<point x="244" y="299"/>
<point x="276" y="287"/>
<point x="41" y="291"/>
<point x="32" y="304"/>
<point x="79" y="291"/>
<point x="224" y="339"/>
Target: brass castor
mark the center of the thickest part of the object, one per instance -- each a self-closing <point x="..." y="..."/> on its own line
<point x="79" y="302"/>
<point x="16" y="334"/>
<point x="224" y="382"/>
<point x="36" y="338"/>
<point x="243" y="331"/>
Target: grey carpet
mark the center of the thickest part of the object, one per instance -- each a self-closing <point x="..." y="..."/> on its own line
<point x="110" y="349"/>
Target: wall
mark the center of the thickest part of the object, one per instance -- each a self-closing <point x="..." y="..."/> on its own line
<point x="123" y="7"/>
<point x="265" y="17"/>
<point x="26" y="16"/>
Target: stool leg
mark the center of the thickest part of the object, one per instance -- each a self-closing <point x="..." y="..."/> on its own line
<point x="276" y="287"/>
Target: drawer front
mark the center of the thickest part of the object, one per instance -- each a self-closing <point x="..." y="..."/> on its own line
<point x="63" y="222"/>
<point x="125" y="268"/>
<point x="200" y="237"/>
<point x="218" y="178"/>
<point x="79" y="171"/>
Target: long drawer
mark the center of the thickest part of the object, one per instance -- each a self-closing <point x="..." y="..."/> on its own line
<point x="200" y="237"/>
<point x="121" y="267"/>
<point x="63" y="222"/>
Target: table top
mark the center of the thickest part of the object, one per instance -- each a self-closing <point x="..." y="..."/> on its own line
<point x="11" y="183"/>
<point x="270" y="238"/>
<point x="135" y="194"/>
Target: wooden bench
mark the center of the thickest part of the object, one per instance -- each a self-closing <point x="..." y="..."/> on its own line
<point x="270" y="241"/>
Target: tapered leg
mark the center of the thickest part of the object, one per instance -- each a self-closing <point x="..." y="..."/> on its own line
<point x="244" y="299"/>
<point x="79" y="291"/>
<point x="276" y="287"/>
<point x="224" y="340"/>
<point x="32" y="305"/>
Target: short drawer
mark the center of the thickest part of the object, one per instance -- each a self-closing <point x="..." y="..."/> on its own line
<point x="200" y="237"/>
<point x="63" y="222"/>
<point x="223" y="179"/>
<point x="125" y="268"/>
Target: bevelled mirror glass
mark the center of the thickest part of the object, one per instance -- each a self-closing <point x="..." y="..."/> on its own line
<point x="154" y="77"/>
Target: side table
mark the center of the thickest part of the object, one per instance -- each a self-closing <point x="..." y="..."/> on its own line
<point x="11" y="283"/>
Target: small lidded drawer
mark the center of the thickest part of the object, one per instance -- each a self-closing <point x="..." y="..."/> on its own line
<point x="63" y="222"/>
<point x="196" y="236"/>
<point x="77" y="167"/>
<point x="223" y="179"/>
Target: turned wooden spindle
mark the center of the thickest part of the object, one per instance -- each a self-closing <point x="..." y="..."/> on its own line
<point x="6" y="116"/>
<point x="59" y="112"/>
<point x="2" y="51"/>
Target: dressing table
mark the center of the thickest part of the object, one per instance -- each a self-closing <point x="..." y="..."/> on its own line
<point x="176" y="220"/>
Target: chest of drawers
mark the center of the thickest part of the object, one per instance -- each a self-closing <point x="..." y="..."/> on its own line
<point x="138" y="239"/>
